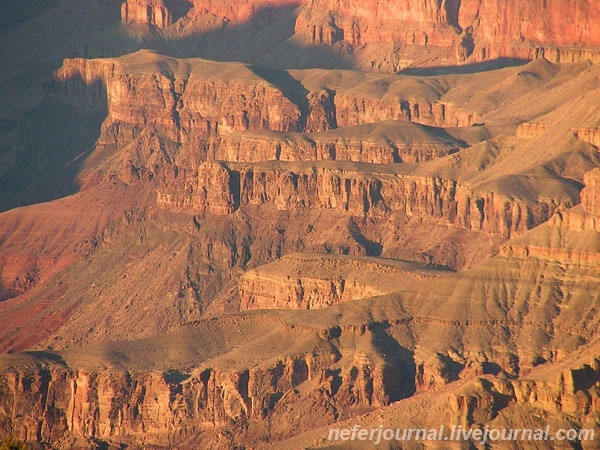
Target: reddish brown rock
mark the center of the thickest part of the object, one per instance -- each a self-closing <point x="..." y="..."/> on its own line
<point x="312" y="281"/>
<point x="488" y="30"/>
<point x="590" y="195"/>
<point x="183" y="106"/>
<point x="146" y="12"/>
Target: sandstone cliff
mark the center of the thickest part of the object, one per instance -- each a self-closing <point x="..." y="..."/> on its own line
<point x="63" y="398"/>
<point x="383" y="143"/>
<point x="354" y="191"/>
<point x="457" y="31"/>
<point x="153" y="12"/>
<point x="305" y="281"/>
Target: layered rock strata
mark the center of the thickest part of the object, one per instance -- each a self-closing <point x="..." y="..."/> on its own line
<point x="304" y="281"/>
<point x="355" y="192"/>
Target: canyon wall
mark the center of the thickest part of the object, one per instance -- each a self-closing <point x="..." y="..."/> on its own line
<point x="567" y="391"/>
<point x="312" y="281"/>
<point x="184" y="104"/>
<point x="396" y="34"/>
<point x="480" y="30"/>
<point x="590" y="195"/>
<point x="83" y="407"/>
<point x="147" y="12"/>
<point x="149" y="408"/>
<point x="250" y="147"/>
<point x="571" y="236"/>
<point x="354" y="192"/>
<point x="191" y="99"/>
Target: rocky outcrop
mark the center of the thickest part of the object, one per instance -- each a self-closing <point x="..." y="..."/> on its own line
<point x="570" y="391"/>
<point x="188" y="102"/>
<point x="352" y="110"/>
<point x="410" y="22"/>
<point x="571" y="236"/>
<point x="80" y="83"/>
<point x="183" y="106"/>
<point x="84" y="407"/>
<point x="590" y="135"/>
<point x="467" y="30"/>
<point x="562" y="55"/>
<point x="154" y="408"/>
<point x="590" y="195"/>
<point x="531" y="130"/>
<point x="305" y="281"/>
<point x="212" y="192"/>
<point x="252" y="147"/>
<point x="359" y="193"/>
<point x="146" y="12"/>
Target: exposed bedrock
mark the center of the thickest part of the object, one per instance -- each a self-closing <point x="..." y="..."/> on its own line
<point x="221" y="188"/>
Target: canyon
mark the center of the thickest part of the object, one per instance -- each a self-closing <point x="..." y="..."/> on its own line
<point x="235" y="225"/>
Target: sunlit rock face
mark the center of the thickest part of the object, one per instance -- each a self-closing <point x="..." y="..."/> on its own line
<point x="254" y="225"/>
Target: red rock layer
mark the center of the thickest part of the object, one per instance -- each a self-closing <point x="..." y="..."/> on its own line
<point x="491" y="29"/>
<point x="430" y="199"/>
<point x="147" y="12"/>
<point x="182" y="106"/>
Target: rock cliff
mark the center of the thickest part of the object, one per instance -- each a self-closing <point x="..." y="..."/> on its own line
<point x="457" y="31"/>
<point x="152" y="12"/>
<point x="207" y="209"/>
<point x="590" y="195"/>
<point x="305" y="281"/>
<point x="356" y="192"/>
<point x="384" y="143"/>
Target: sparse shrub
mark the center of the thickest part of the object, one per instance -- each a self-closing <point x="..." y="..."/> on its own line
<point x="10" y="443"/>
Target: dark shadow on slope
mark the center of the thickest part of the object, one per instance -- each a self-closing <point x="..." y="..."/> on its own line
<point x="178" y="8"/>
<point x="485" y="66"/>
<point x="500" y="401"/>
<point x="47" y="140"/>
<point x="264" y="40"/>
<point x="400" y="371"/>
<point x="56" y="137"/>
<point x="291" y="88"/>
<point x="47" y="357"/>
<point x="443" y="134"/>
<point x="372" y="248"/>
<point x="15" y="13"/>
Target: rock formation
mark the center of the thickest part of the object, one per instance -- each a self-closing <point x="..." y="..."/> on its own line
<point x="467" y="30"/>
<point x="315" y="281"/>
<point x="152" y="12"/>
<point x="174" y="216"/>
<point x="590" y="195"/>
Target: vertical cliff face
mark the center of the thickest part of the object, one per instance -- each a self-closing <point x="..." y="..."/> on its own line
<point x="336" y="146"/>
<point x="503" y="22"/>
<point x="377" y="195"/>
<point x="53" y="403"/>
<point x="146" y="12"/>
<point x="200" y="13"/>
<point x="353" y="110"/>
<point x="183" y="106"/>
<point x="386" y="35"/>
<point x="464" y="30"/>
<point x="590" y="195"/>
<point x="313" y="281"/>
<point x="85" y="407"/>
<point x="359" y="23"/>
